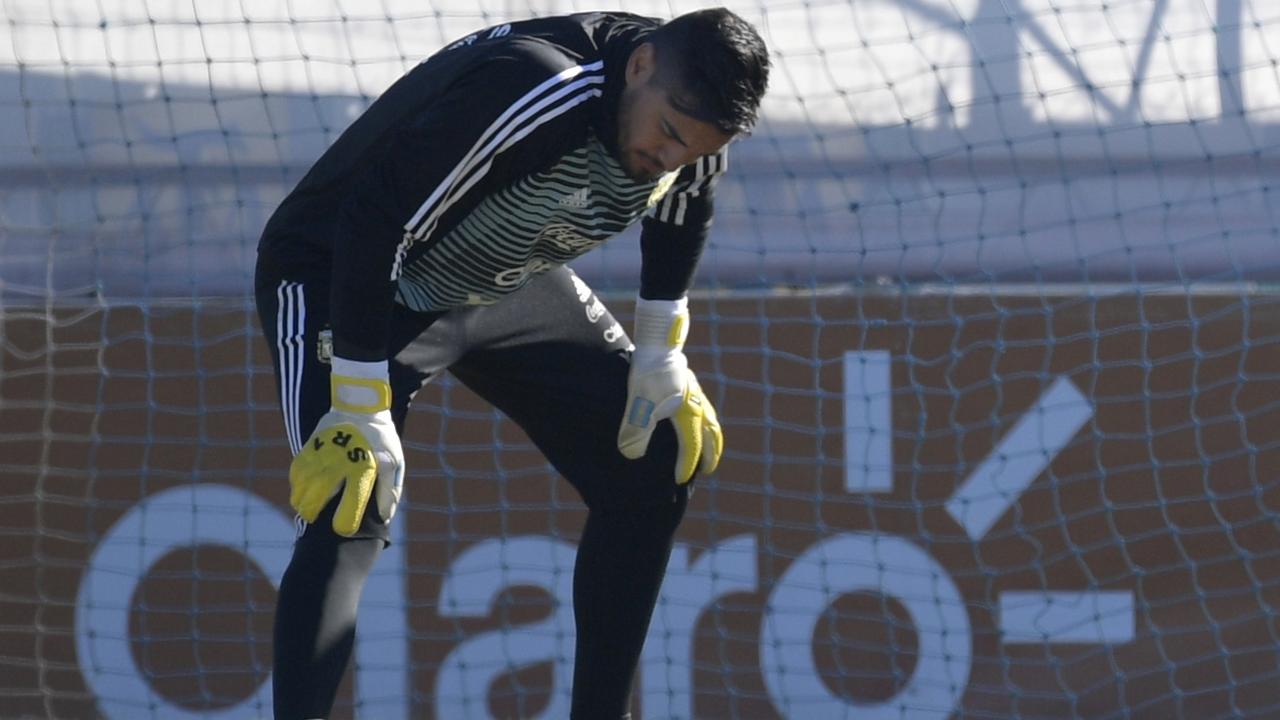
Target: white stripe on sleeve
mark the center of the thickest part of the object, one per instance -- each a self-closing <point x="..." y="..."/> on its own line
<point x="523" y="116"/>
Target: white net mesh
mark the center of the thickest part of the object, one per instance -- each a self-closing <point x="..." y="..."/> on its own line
<point x="987" y="314"/>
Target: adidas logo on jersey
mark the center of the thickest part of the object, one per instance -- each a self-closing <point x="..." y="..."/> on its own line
<point x="576" y="199"/>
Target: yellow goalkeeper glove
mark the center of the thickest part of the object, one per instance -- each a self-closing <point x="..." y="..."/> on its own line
<point x="354" y="450"/>
<point x="661" y="386"/>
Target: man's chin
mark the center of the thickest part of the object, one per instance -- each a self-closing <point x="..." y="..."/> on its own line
<point x="641" y="174"/>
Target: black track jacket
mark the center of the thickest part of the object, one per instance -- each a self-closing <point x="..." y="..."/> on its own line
<point x="490" y="162"/>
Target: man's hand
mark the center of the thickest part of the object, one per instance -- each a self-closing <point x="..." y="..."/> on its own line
<point x="661" y="386"/>
<point x="354" y="450"/>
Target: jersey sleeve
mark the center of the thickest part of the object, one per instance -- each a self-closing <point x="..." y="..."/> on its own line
<point x="675" y="229"/>
<point x="491" y="121"/>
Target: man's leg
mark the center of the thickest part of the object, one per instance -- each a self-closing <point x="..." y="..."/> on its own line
<point x="622" y="559"/>
<point x="553" y="359"/>
<point x="316" y="606"/>
<point x="315" y="624"/>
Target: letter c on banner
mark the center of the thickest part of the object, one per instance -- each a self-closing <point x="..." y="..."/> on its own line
<point x="852" y="563"/>
<point x="203" y="514"/>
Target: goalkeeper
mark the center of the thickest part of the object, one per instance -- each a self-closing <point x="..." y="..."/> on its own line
<point x="433" y="236"/>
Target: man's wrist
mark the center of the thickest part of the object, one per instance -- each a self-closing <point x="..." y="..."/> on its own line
<point x="359" y="387"/>
<point x="661" y="324"/>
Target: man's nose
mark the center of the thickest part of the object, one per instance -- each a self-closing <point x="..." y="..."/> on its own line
<point x="672" y="156"/>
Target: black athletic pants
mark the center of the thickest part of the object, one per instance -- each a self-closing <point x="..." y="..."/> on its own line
<point x="552" y="358"/>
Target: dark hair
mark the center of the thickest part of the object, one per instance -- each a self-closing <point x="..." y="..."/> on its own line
<point x="714" y="66"/>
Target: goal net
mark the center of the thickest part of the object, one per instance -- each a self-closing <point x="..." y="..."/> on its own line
<point x="988" y="312"/>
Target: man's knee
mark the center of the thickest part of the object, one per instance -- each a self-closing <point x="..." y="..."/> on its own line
<point x="607" y="480"/>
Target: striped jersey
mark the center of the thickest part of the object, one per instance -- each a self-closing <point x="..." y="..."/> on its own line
<point x="490" y="162"/>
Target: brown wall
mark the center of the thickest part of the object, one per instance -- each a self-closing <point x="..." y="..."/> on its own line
<point x="1168" y="491"/>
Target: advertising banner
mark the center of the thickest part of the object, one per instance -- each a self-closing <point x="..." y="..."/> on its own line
<point x="930" y="505"/>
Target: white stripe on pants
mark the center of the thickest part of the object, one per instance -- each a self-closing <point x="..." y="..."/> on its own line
<point x="291" y="315"/>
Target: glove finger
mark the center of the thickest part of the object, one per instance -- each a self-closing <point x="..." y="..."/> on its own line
<point x="387" y="489"/>
<point x="300" y="500"/>
<point x="309" y="492"/>
<point x="355" y="498"/>
<point x="297" y="490"/>
<point x="316" y="495"/>
<point x="712" y="443"/>
<point x="633" y="442"/>
<point x="688" y="426"/>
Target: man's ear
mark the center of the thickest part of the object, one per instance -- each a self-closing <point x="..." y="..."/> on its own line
<point x="642" y="64"/>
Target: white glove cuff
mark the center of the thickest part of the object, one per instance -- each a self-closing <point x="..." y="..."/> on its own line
<point x="359" y="387"/>
<point x="661" y="324"/>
